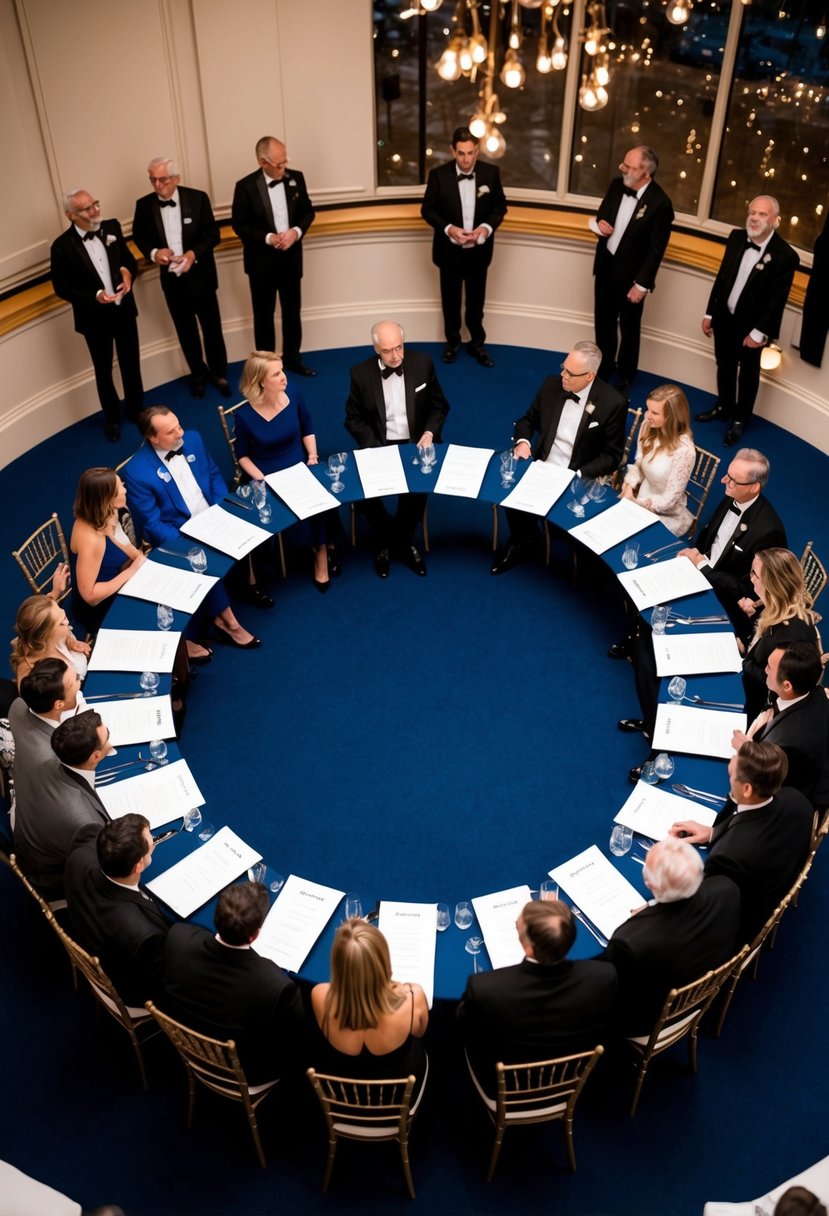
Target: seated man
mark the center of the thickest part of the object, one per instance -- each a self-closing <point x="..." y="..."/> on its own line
<point x="113" y="917"/>
<point x="169" y="479"/>
<point x="798" y="720"/>
<point x="48" y="691"/>
<point x="220" y="987"/>
<point x="580" y="423"/>
<point x="762" y="836"/>
<point x="688" y="928"/>
<point x="540" y="1008"/>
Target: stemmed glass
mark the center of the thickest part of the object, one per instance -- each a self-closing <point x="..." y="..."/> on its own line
<point x="621" y="838"/>
<point x="148" y="682"/>
<point x="473" y="947"/>
<point x="243" y="490"/>
<point x="353" y="906"/>
<point x="463" y="914"/>
<point x="427" y="458"/>
<point x="336" y="465"/>
<point x="597" y="490"/>
<point x="659" y="618"/>
<point x="164" y="616"/>
<point x="192" y="819"/>
<point x="158" y="751"/>
<point x="507" y="460"/>
<point x="580" y="488"/>
<point x="630" y="556"/>
<point x="664" y="766"/>
<point x="676" y="689"/>
<point x="197" y="559"/>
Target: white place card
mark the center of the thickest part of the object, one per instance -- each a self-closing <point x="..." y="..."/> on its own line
<point x="205" y="872"/>
<point x="134" y="650"/>
<point x="224" y="531"/>
<point x="462" y="471"/>
<point x="539" y="489"/>
<point x="161" y="795"/>
<point x="596" y="887"/>
<point x="689" y="654"/>
<point x="411" y="933"/>
<point x="295" y="921"/>
<point x="663" y="582"/>
<point x="300" y="491"/>
<point x="617" y="523"/>
<point x="178" y="588"/>
<point x="651" y="811"/>
<point x="696" y="731"/>
<point x="138" y="721"/>
<point x="497" y="914"/>
<point x="381" y="471"/>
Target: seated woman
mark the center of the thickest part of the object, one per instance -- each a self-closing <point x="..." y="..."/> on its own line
<point x="103" y="556"/>
<point x="786" y="616"/>
<point x="43" y="632"/>
<point x="665" y="456"/>
<point x="369" y="1026"/>
<point x="273" y="432"/>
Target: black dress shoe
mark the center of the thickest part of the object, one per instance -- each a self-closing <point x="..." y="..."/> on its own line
<point x="734" y="434"/>
<point x="382" y="564"/>
<point x="299" y="368"/>
<point x="321" y="586"/>
<point x="112" y="431"/>
<point x="509" y="558"/>
<point x="223" y="387"/>
<point x="449" y="354"/>
<point x="634" y="726"/>
<point x="621" y="650"/>
<point x="227" y="639"/>
<point x="255" y="595"/>
<point x="479" y="354"/>
<point x="709" y="415"/>
<point x="197" y="389"/>
<point x="414" y="560"/>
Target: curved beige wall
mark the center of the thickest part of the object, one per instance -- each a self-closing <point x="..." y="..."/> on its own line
<point x="201" y="81"/>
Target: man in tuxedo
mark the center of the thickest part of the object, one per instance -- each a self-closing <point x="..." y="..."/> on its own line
<point x="745" y="310"/>
<point x="744" y="523"/>
<point x="170" y="478"/>
<point x="797" y="720"/>
<point x="762" y="836"/>
<point x="544" y="1007"/>
<point x="580" y="424"/>
<point x="464" y="203"/>
<point x="687" y="928"/>
<point x="113" y="916"/>
<point x="271" y="214"/>
<point x="94" y="270"/>
<point x="46" y="693"/>
<point x="633" y="225"/>
<point x="393" y="399"/>
<point x="175" y="229"/>
<point x="221" y="987"/>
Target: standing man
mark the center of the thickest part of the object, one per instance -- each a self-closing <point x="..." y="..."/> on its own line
<point x="93" y="269"/>
<point x="395" y="400"/>
<point x="580" y="423"/>
<point x="633" y="225"/>
<point x="464" y="203"/>
<point x="745" y="310"/>
<point x="271" y="214"/>
<point x="174" y="227"/>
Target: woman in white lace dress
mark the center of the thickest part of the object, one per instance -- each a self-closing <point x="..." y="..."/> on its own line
<point x="664" y="459"/>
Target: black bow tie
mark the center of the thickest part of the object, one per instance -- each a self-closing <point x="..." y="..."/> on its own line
<point x="629" y="191"/>
<point x="273" y="183"/>
<point x="466" y="177"/>
<point x="89" y="236"/>
<point x="571" y="396"/>
<point x="178" y="452"/>
<point x="166" y="202"/>
<point x="752" y="245"/>
<point x="391" y="371"/>
<point x="732" y="506"/>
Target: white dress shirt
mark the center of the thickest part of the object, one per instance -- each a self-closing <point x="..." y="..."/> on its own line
<point x="397" y="420"/>
<point x="98" y="256"/>
<point x="561" y="453"/>
<point x="182" y="475"/>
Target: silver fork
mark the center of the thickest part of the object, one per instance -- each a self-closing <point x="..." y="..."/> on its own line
<point x="698" y="700"/>
<point x="701" y="795"/>
<point x="579" y="915"/>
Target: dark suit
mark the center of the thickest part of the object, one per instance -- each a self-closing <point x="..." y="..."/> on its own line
<point x="667" y="945"/>
<point x="124" y="928"/>
<point x="74" y="278"/>
<point x="802" y="731"/>
<point x="190" y="297"/>
<point x="234" y="994"/>
<point x="759" y="528"/>
<point x="458" y="266"/>
<point x="763" y="850"/>
<point x="784" y="633"/>
<point x="534" y="1012"/>
<point x="365" y="421"/>
<point x="635" y="261"/>
<point x="272" y="271"/>
<point x="760" y="306"/>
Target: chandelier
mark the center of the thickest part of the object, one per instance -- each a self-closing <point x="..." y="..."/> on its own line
<point x="469" y="53"/>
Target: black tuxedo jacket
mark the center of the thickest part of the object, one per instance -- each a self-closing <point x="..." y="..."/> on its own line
<point x="802" y="730"/>
<point x="534" y="1012"/>
<point x="365" y="409"/>
<point x="759" y="528"/>
<point x="763" y="850"/>
<point x="784" y="633"/>
<point x="667" y="945"/>
<point x="764" y="296"/>
<point x="199" y="233"/>
<point x="125" y="929"/>
<point x="600" y="438"/>
<point x="75" y="278"/>
<point x="252" y="220"/>
<point x="442" y="206"/>
<point x="644" y="240"/>
<point x="233" y="994"/>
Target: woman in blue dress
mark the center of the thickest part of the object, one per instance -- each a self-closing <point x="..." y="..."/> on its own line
<point x="102" y="554"/>
<point x="274" y="431"/>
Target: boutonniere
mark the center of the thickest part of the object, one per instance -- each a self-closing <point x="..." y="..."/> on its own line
<point x="164" y="475"/>
<point x="190" y="458"/>
<point x="764" y="260"/>
<point x="291" y="181"/>
<point x="640" y="213"/>
<point x="110" y="239"/>
<point x="590" y="408"/>
<point x="744" y="527"/>
<point x="483" y="190"/>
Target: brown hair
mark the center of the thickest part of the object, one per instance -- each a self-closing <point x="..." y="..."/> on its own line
<point x="677" y="420"/>
<point x="33" y="626"/>
<point x="549" y="928"/>
<point x="361" y="990"/>
<point x="784" y="590"/>
<point x="95" y="495"/>
<point x="763" y="766"/>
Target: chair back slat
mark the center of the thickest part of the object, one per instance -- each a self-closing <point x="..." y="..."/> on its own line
<point x="706" y="467"/>
<point x="228" y="424"/>
<point x="814" y="571"/>
<point x="41" y="553"/>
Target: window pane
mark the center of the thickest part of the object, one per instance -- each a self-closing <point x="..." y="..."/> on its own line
<point x="777" y="134"/>
<point x="397" y="90"/>
<point x="664" y="81"/>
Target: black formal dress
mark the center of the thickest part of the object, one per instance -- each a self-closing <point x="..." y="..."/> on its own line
<point x="461" y="267"/>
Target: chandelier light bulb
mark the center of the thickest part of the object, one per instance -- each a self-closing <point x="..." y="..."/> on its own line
<point x="771" y="357"/>
<point x="494" y="144"/>
<point x="449" y="67"/>
<point x="591" y="45"/>
<point x="602" y="74"/>
<point x="478" y="47"/>
<point x="602" y="97"/>
<point x="559" y="56"/>
<point x="544" y="63"/>
<point x="477" y="125"/>
<point x="531" y="3"/>
<point x="587" y="95"/>
<point x="677" y="11"/>
<point x="465" y="58"/>
<point x="512" y="73"/>
<point x="430" y="6"/>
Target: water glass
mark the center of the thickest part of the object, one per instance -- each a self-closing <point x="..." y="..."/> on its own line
<point x="649" y="774"/>
<point x="507" y="460"/>
<point x="192" y="819"/>
<point x="206" y="831"/>
<point x="630" y="556"/>
<point x="336" y="464"/>
<point x="463" y="914"/>
<point x="443" y="917"/>
<point x="549" y="890"/>
<point x="664" y="766"/>
<point x="276" y="883"/>
<point x="676" y="689"/>
<point x="197" y="559"/>
<point x="148" y="681"/>
<point x="621" y="838"/>
<point x="164" y="616"/>
<point x="427" y="458"/>
<point x="265" y="513"/>
<point x="158" y="751"/>
<point x="353" y="906"/>
<point x="243" y="491"/>
<point x="580" y="488"/>
<point x="259" y="493"/>
<point x="258" y="871"/>
<point x="659" y="618"/>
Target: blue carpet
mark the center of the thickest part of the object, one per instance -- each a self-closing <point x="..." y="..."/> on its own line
<point x="426" y="739"/>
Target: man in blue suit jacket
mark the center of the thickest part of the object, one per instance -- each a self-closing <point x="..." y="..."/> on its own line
<point x="171" y="477"/>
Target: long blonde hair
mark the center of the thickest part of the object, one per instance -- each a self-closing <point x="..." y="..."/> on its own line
<point x="254" y="372"/>
<point x="784" y="590"/>
<point x="677" y="421"/>
<point x="361" y="991"/>
<point x="34" y="623"/>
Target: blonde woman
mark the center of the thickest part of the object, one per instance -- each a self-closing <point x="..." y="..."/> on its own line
<point x="43" y="632"/>
<point x="665" y="456"/>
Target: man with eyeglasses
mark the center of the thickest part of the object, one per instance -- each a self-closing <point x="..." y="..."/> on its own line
<point x="92" y="268"/>
<point x="174" y="228"/>
<point x="580" y="424"/>
<point x="271" y="213"/>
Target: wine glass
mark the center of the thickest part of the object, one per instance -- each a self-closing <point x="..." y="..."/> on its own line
<point x="277" y="883"/>
<point x="192" y="819"/>
<point x="507" y="460"/>
<point x="598" y="490"/>
<point x="265" y="512"/>
<point x="463" y="914"/>
<point x="649" y="774"/>
<point x="676" y="689"/>
<point x="621" y="838"/>
<point x="164" y="616"/>
<point x="258" y="871"/>
<point x="630" y="556"/>
<point x="549" y="890"/>
<point x="353" y="906"/>
<point x="427" y="458"/>
<point x="443" y="917"/>
<point x="205" y="832"/>
<point x="243" y="490"/>
<point x="580" y="488"/>
<point x="335" y="468"/>
<point x="659" y="618"/>
<point x="664" y="766"/>
<point x="197" y="559"/>
<point x="149" y="681"/>
<point x="259" y="493"/>
<point x="473" y="947"/>
<point x="158" y="751"/>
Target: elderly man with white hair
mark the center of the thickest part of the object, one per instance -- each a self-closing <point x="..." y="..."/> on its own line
<point x="688" y="927"/>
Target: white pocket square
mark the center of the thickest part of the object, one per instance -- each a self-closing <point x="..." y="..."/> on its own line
<point x="591" y="425"/>
<point x="420" y="386"/>
<point x="187" y="220"/>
